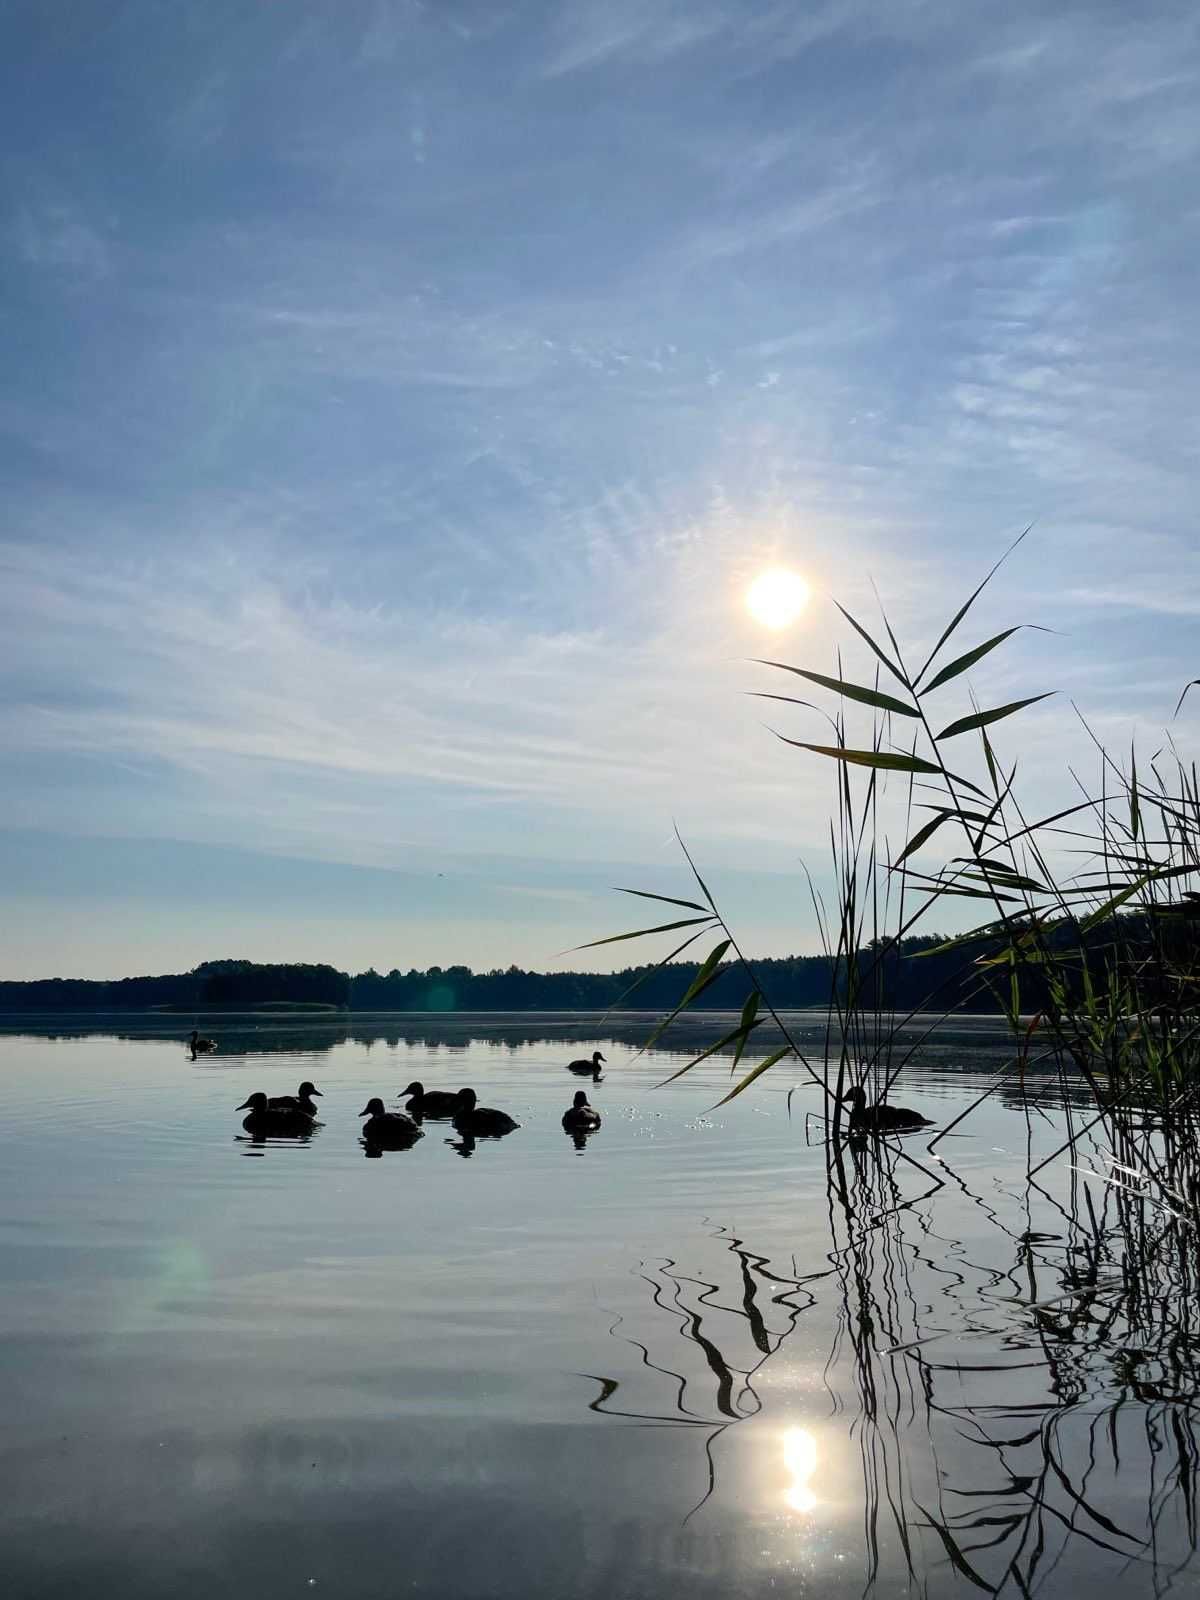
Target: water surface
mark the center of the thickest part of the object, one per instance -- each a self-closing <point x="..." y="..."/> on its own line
<point x="672" y="1362"/>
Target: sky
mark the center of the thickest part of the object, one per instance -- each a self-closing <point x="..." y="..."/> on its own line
<point x="396" y="400"/>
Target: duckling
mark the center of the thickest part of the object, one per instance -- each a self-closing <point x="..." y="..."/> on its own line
<point x="302" y="1100"/>
<point x="880" y="1118"/>
<point x="199" y="1045"/>
<point x="581" y="1117"/>
<point x="388" y="1127"/>
<point x="280" y="1121"/>
<point x="424" y="1102"/>
<point x="469" y="1117"/>
<point x="592" y="1067"/>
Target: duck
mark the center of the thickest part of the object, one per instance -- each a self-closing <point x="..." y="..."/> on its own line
<point x="581" y="1117"/>
<point x="424" y="1102"/>
<point x="199" y="1045"/>
<point x="591" y="1067"/>
<point x="470" y="1117"/>
<point x="388" y="1127"/>
<point x="302" y="1100"/>
<point x="282" y="1121"/>
<point x="880" y="1118"/>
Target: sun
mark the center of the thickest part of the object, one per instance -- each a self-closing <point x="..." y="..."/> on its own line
<point x="776" y="598"/>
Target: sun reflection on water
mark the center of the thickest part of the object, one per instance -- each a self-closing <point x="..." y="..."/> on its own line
<point x="800" y="1459"/>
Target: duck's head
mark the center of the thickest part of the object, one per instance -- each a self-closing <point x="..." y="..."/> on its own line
<point x="307" y="1090"/>
<point x="256" y="1102"/>
<point x="414" y="1088"/>
<point x="373" y="1108"/>
<point x="467" y="1099"/>
<point x="597" y="1058"/>
<point x="857" y="1097"/>
<point x="580" y="1099"/>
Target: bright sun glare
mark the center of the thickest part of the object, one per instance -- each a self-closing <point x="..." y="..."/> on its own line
<point x="776" y="597"/>
<point x="800" y="1459"/>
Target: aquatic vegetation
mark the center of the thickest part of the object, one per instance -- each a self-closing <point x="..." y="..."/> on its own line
<point x="1096" y="969"/>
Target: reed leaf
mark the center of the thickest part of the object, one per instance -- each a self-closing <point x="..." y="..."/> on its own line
<point x="852" y="691"/>
<point x="763" y="1066"/>
<point x="964" y="662"/>
<point x="642" y="933"/>
<point x="982" y="719"/>
<point x="667" y="900"/>
<point x="712" y="1050"/>
<point x="863" y="634"/>
<point x="709" y="972"/>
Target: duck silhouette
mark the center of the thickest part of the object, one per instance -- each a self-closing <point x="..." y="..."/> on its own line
<point x="198" y="1045"/>
<point x="583" y="1065"/>
<point x="392" y="1128"/>
<point x="283" y="1122"/>
<point x="580" y="1117"/>
<point x="302" y="1100"/>
<point x="424" y="1102"/>
<point x="880" y="1118"/>
<point x="470" y="1117"/>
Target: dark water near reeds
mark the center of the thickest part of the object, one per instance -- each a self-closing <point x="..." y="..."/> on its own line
<point x="676" y="1362"/>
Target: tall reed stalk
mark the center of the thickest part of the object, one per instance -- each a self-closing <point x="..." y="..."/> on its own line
<point x="1089" y="938"/>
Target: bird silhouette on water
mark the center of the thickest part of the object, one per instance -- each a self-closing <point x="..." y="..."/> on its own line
<point x="470" y="1117"/>
<point x="880" y="1118"/>
<point x="392" y="1128"/>
<point x="280" y="1122"/>
<point x="583" y="1065"/>
<point x="579" y="1117"/>
<point x="424" y="1102"/>
<point x="302" y="1100"/>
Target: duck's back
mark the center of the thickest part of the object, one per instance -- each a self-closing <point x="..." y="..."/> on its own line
<point x="577" y="1117"/>
<point x="391" y="1127"/>
<point x="433" y="1103"/>
<point x="485" y="1119"/>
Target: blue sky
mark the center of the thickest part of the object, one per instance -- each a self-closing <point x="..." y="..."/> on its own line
<point x="397" y="398"/>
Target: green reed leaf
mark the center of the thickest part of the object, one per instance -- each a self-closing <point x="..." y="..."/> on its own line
<point x="852" y="691"/>
<point x="763" y="1066"/>
<point x="983" y="719"/>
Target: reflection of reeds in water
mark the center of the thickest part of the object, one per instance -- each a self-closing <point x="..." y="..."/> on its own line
<point x="765" y="1306"/>
<point x="1027" y="1405"/>
<point x="1021" y="1386"/>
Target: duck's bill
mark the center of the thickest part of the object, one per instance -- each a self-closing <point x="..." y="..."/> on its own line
<point x="245" y="1106"/>
<point x="365" y="1112"/>
<point x="318" y="1093"/>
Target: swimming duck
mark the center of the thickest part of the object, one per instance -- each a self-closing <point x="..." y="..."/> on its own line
<point x="581" y="1117"/>
<point x="388" y="1127"/>
<point x="880" y="1118"/>
<point x="584" y="1065"/>
<point x="282" y="1121"/>
<point x="470" y="1117"/>
<point x="302" y="1100"/>
<point x="424" y="1102"/>
<point x="199" y="1045"/>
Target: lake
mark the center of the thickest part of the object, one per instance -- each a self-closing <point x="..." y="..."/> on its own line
<point x="673" y="1362"/>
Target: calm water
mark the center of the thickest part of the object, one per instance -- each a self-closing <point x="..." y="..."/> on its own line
<point x="666" y="1364"/>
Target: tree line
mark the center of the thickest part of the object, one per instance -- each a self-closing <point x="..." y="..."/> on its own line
<point x="920" y="973"/>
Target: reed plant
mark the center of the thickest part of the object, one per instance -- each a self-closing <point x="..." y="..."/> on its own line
<point x="1087" y="934"/>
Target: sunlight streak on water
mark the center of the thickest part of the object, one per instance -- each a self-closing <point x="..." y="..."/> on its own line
<point x="800" y="1459"/>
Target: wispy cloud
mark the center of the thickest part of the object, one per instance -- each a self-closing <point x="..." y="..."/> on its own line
<point x="384" y="455"/>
